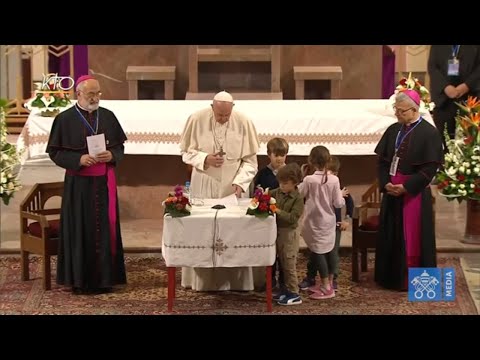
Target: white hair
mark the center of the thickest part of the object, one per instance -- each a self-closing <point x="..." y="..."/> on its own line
<point x="80" y="86"/>
<point x="402" y="97"/>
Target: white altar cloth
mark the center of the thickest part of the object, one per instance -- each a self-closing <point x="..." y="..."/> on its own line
<point x="154" y="127"/>
<point x="219" y="238"/>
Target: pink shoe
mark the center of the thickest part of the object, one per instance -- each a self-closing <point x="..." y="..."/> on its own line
<point x="323" y="294"/>
<point x="316" y="288"/>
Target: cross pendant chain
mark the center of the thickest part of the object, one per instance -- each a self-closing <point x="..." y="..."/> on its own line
<point x="216" y="140"/>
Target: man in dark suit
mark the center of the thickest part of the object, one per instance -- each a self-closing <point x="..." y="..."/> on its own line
<point x="454" y="75"/>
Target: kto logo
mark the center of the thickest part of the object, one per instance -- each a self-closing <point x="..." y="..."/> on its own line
<point x="431" y="284"/>
<point x="53" y="82"/>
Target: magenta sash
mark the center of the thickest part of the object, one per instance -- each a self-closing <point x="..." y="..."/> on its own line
<point x="102" y="169"/>
<point x="412" y="222"/>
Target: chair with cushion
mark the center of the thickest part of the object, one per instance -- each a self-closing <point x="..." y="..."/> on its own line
<point x="365" y="228"/>
<point x="39" y="234"/>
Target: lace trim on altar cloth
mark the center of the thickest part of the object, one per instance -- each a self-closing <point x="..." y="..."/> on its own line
<point x="142" y="137"/>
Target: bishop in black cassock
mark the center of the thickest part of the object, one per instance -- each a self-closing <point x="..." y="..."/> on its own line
<point x="409" y="155"/>
<point x="90" y="254"/>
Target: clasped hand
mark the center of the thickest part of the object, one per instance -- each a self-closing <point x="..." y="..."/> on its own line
<point x="395" y="190"/>
<point x="456" y="92"/>
<point x="103" y="157"/>
<point x="215" y="160"/>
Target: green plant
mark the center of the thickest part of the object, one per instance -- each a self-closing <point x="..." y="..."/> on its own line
<point x="262" y="204"/>
<point x="9" y="160"/>
<point x="460" y="176"/>
<point x="176" y="204"/>
<point x="51" y="103"/>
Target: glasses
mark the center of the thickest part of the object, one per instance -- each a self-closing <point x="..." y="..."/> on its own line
<point x="92" y="95"/>
<point x="401" y="111"/>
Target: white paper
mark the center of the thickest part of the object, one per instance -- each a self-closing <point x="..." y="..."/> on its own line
<point x="394" y="165"/>
<point x="96" y="144"/>
<point x="244" y="202"/>
<point x="230" y="200"/>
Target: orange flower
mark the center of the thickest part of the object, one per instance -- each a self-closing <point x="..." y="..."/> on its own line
<point x="171" y="199"/>
<point x="475" y="118"/>
<point x="472" y="102"/>
<point x="273" y="207"/>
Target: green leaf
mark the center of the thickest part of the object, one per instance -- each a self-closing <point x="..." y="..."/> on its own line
<point x="6" y="199"/>
<point x="3" y="104"/>
<point x="38" y="103"/>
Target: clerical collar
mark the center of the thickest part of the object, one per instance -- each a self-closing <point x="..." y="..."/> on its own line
<point x="413" y="123"/>
<point x="82" y="108"/>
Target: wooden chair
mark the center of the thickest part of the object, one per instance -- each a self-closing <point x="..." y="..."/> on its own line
<point x="365" y="226"/>
<point x="38" y="235"/>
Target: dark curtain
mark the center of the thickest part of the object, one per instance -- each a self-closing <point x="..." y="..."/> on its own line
<point x="61" y="65"/>
<point x="388" y="72"/>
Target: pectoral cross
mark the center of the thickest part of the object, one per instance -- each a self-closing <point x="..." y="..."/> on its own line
<point x="221" y="152"/>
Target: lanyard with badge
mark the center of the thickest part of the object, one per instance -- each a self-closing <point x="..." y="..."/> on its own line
<point x="95" y="142"/>
<point x="87" y="123"/>
<point x="398" y="142"/>
<point x="453" y="63"/>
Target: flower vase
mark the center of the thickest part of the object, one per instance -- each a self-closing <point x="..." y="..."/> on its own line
<point x="50" y="113"/>
<point x="472" y="228"/>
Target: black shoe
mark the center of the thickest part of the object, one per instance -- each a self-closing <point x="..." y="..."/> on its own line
<point x="279" y="295"/>
<point x="290" y="299"/>
<point x="306" y="283"/>
<point x="78" y="291"/>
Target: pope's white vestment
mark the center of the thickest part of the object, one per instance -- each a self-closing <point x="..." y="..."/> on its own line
<point x="238" y="139"/>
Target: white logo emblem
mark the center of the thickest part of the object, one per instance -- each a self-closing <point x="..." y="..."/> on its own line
<point x="53" y="82"/>
<point x="425" y="284"/>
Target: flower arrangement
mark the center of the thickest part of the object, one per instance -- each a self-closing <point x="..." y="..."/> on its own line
<point x="262" y="204"/>
<point x="52" y="101"/>
<point x="176" y="204"/>
<point x="410" y="83"/>
<point x="9" y="161"/>
<point x="460" y="176"/>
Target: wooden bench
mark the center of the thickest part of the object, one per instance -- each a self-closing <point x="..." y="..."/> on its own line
<point x="138" y="73"/>
<point x="302" y="73"/>
<point x="15" y="123"/>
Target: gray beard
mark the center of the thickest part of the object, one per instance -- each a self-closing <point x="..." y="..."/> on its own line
<point x="92" y="107"/>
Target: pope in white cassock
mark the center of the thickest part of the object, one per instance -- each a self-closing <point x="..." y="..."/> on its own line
<point x="221" y="145"/>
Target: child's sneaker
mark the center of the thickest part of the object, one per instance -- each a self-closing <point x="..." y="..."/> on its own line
<point x="290" y="299"/>
<point x="278" y="293"/>
<point x="306" y="283"/>
<point x="316" y="288"/>
<point x="323" y="294"/>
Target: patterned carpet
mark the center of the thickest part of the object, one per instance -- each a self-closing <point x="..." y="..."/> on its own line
<point x="146" y="293"/>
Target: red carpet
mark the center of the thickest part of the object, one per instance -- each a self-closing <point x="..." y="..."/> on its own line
<point x="146" y="293"/>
